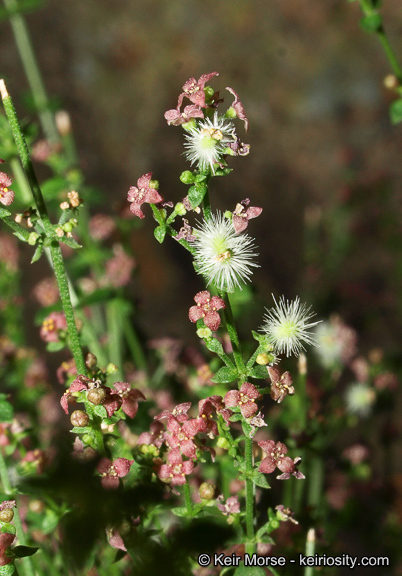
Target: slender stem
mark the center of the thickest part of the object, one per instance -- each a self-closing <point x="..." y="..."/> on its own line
<point x="187" y="497"/>
<point x="28" y="568"/>
<point x="114" y="324"/>
<point x="390" y="53"/>
<point x="231" y="328"/>
<point x="250" y="545"/>
<point x="134" y="346"/>
<point x="55" y="251"/>
<point x="26" y="196"/>
<point x="310" y="549"/>
<point x="32" y="71"/>
<point x="4" y="476"/>
<point x="316" y="479"/>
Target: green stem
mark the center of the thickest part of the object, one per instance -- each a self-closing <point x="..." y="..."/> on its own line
<point x="32" y="71"/>
<point x="28" y="568"/>
<point x="134" y="346"/>
<point x="4" y="476"/>
<point x="187" y="498"/>
<point x="390" y="53"/>
<point x="250" y="545"/>
<point x="55" y="251"/>
<point x="234" y="339"/>
<point x="315" y="481"/>
<point x="310" y="549"/>
<point x="26" y="197"/>
<point x="114" y="324"/>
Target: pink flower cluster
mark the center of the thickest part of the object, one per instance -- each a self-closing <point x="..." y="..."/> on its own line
<point x="194" y="90"/>
<point x="6" y="195"/>
<point x="182" y="437"/>
<point x="122" y="395"/>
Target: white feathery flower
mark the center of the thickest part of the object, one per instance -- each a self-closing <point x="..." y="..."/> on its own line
<point x="208" y="140"/>
<point x="359" y="399"/>
<point x="287" y="326"/>
<point x="223" y="257"/>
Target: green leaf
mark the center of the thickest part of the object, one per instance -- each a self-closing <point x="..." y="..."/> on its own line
<point x="100" y="411"/>
<point x="6" y="411"/>
<point x="23" y="551"/>
<point x="4" y="213"/>
<point x="160" y="233"/>
<point x="395" y="111"/>
<point x="55" y="346"/>
<point x="38" y="253"/>
<point x="8" y="528"/>
<point x="21" y="236"/>
<point x="214" y="345"/>
<point x="250" y="571"/>
<point x="225" y="375"/>
<point x="223" y="171"/>
<point x="72" y="242"/>
<point x="196" y="194"/>
<point x="81" y="430"/>
<point x="259" y="372"/>
<point x="260" y="480"/>
<point x="236" y="418"/>
<point x="7" y="570"/>
<point x="372" y="22"/>
<point x="181" y="512"/>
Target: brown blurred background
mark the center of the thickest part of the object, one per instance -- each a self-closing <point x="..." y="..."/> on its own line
<point x="325" y="162"/>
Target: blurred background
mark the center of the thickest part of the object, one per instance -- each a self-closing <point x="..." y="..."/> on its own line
<point x="325" y="161"/>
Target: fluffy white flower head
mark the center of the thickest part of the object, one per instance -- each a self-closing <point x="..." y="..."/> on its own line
<point x="287" y="325"/>
<point x="359" y="399"/>
<point x="223" y="257"/>
<point x="208" y="140"/>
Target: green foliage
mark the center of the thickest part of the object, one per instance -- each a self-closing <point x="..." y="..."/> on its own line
<point x="225" y="375"/>
<point x="6" y="409"/>
<point x="395" y="111"/>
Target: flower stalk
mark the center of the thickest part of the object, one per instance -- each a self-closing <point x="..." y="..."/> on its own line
<point x="55" y="251"/>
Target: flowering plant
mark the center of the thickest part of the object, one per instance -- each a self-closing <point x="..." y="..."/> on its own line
<point x="200" y="458"/>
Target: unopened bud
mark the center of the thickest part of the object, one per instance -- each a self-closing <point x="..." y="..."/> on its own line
<point x="263" y="359"/>
<point x="223" y="443"/>
<point x="111" y="369"/>
<point x="391" y="82"/>
<point x="63" y="123"/>
<point x="96" y="396"/>
<point x="180" y="209"/>
<point x="32" y="238"/>
<point x="187" y="177"/>
<point x="79" y="418"/>
<point x="6" y="515"/>
<point x="206" y="491"/>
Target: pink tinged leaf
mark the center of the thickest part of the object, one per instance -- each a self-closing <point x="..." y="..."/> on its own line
<point x="6" y="198"/>
<point x="240" y="223"/>
<point x="249" y="390"/>
<point x="116" y="540"/>
<point x="267" y="466"/>
<point x="174" y="457"/>
<point x="248" y="410"/>
<point x="195" y="313"/>
<point x="188" y="449"/>
<point x="253" y="212"/>
<point x="217" y="303"/>
<point x="188" y="467"/>
<point x="104" y="465"/>
<point x="110" y="482"/>
<point x="122" y="466"/>
<point x="267" y="445"/>
<point x="232" y="398"/>
<point x="212" y="321"/>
